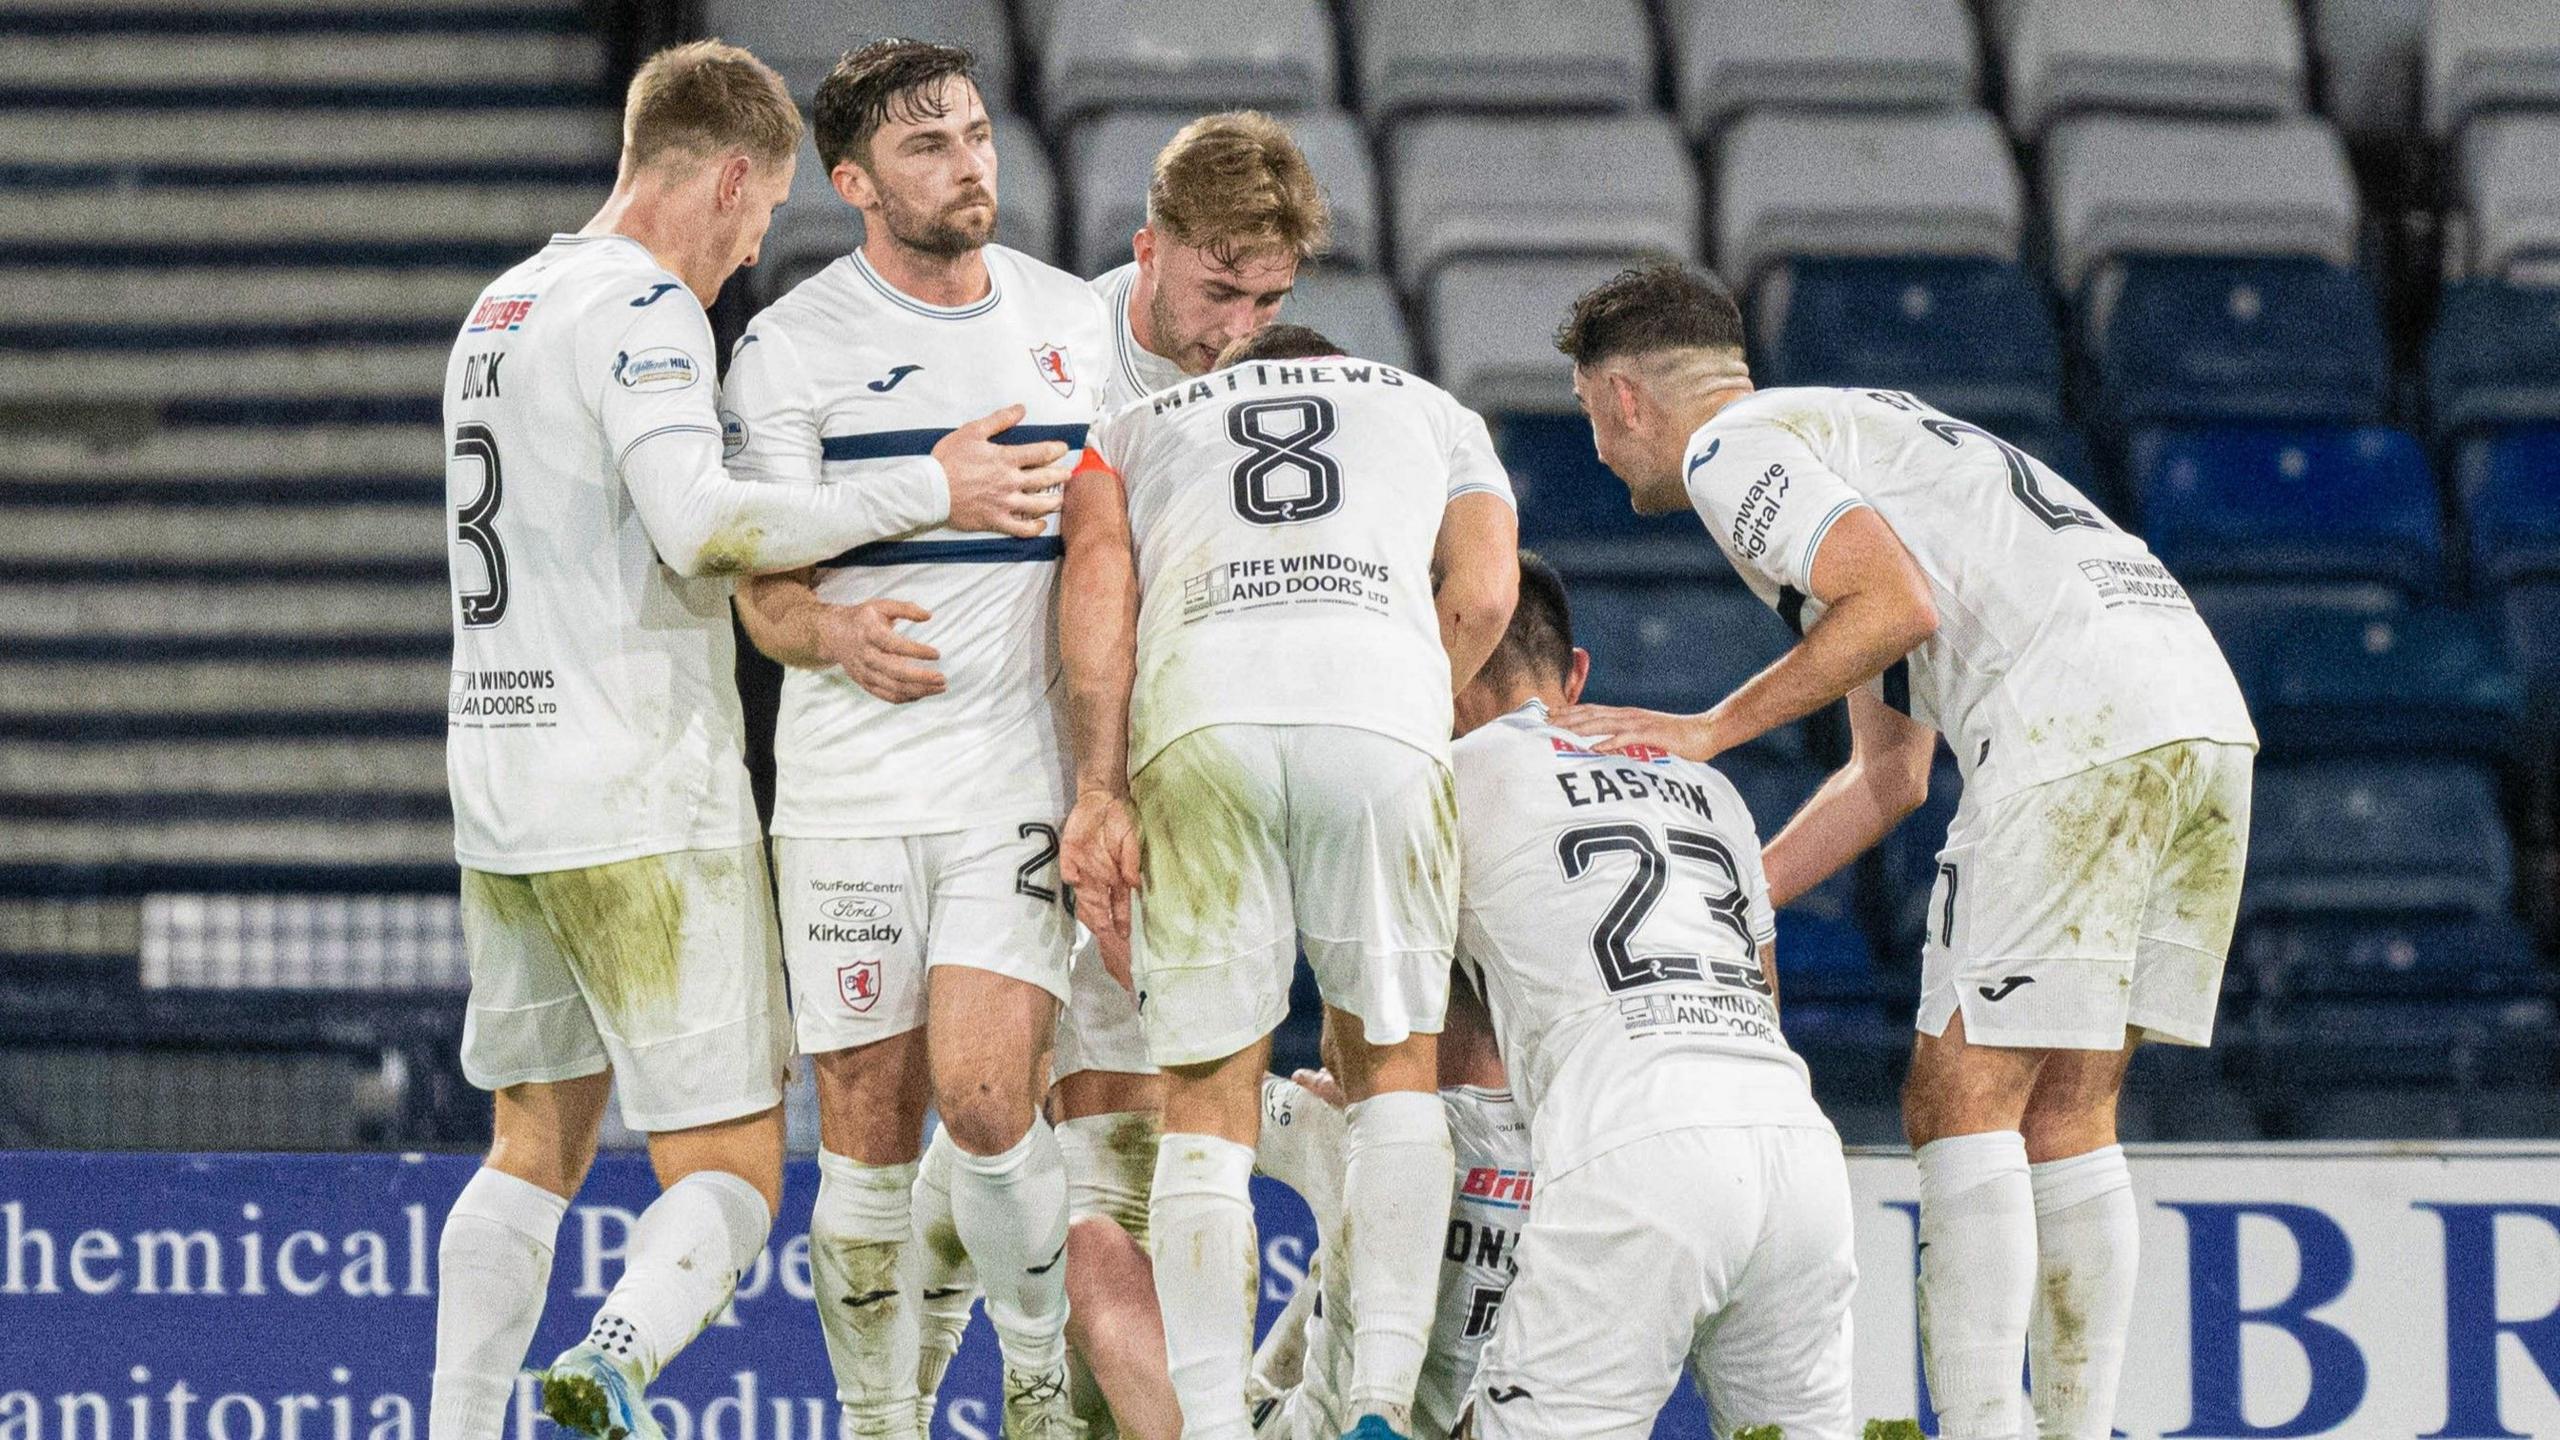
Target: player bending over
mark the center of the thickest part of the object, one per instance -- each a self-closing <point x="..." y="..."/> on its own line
<point x="614" y="904"/>
<point x="1946" y="582"/>
<point x="1693" y="1205"/>
<point x="1259" y="673"/>
<point x="917" y="809"/>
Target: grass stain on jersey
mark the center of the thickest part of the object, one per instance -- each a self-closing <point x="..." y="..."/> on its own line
<point x="1201" y="834"/>
<point x="732" y="550"/>
<point x="622" y="927"/>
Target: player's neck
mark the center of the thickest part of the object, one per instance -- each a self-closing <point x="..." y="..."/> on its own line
<point x="1142" y="300"/>
<point x="942" y="280"/>
<point x="1706" y="403"/>
<point x="643" y="210"/>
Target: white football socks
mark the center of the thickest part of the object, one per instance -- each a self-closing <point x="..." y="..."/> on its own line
<point x="1302" y="1147"/>
<point x="1011" y="1210"/>
<point x="1395" y="1203"/>
<point x="947" y="1283"/>
<point x="861" y="1260"/>
<point x="1111" y="1163"/>
<point x="2088" y="1248"/>
<point x="493" y="1267"/>
<point x="1208" y="1275"/>
<point x="687" y="1252"/>
<point x="1977" y="1279"/>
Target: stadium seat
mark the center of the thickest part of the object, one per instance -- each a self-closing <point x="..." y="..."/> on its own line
<point x="2370" y="1113"/>
<point x="817" y="227"/>
<point x="1678" y="645"/>
<point x="1356" y="311"/>
<point x="2368" y="52"/>
<point x="2510" y="177"/>
<point x="2249" y="618"/>
<point x="1195" y="55"/>
<point x="1824" y="952"/>
<point x="1857" y="1056"/>
<point x="2187" y="1094"/>
<point x="2485" y="55"/>
<point x="1789" y="184"/>
<point x="2401" y="837"/>
<point x="2272" y="340"/>
<point x="2510" y="485"/>
<point x="1111" y="158"/>
<point x="2420" y="682"/>
<point x="2520" y="1112"/>
<point x="802" y="41"/>
<point x="2290" y="503"/>
<point x="2385" y="957"/>
<point x="1493" y="324"/>
<point x="2531" y="612"/>
<point x="1618" y="186"/>
<point x="2431" y="1042"/>
<point x="1500" y="55"/>
<point x="2124" y="185"/>
<point x="1576" y="513"/>
<point x="1972" y="337"/>
<point x="1733" y="56"/>
<point x="2210" y="57"/>
<point x="2494" y="358"/>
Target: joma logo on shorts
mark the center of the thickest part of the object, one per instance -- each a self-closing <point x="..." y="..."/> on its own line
<point x="854" y="934"/>
<point x="854" y="907"/>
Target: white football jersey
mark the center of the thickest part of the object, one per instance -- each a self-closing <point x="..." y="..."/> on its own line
<point x="847" y="380"/>
<point x="2062" y="642"/>
<point x="1613" y="908"/>
<point x="1285" y="513"/>
<point x="1135" y="369"/>
<point x="593" y="714"/>
<point x="1478" y="1257"/>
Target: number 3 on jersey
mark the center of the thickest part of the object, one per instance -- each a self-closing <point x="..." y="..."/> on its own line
<point x="1613" y="939"/>
<point x="1283" y="477"/>
<point x="475" y="525"/>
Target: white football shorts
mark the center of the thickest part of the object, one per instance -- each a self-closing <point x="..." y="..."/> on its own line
<point x="2069" y="912"/>
<point x="1260" y="837"/>
<point x="1098" y="1026"/>
<point x="1726" y="1249"/>
<point x="663" y="968"/>
<point x="863" y="920"/>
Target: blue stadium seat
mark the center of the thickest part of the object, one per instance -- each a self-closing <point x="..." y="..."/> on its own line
<point x="2297" y="503"/>
<point x="1972" y="337"/>
<point x="1576" y="513"/>
<point x="2511" y="504"/>
<point x="2371" y="1113"/>
<point x="1678" y="645"/>
<point x="1855" y="1052"/>
<point x="2187" y="1095"/>
<point x="2494" y="358"/>
<point x="2422" y="682"/>
<point x="2532" y="615"/>
<point x="2248" y="618"/>
<point x="2278" y="339"/>
<point x="2403" y="837"/>
<point x="2387" y="957"/>
<point x="1823" y="949"/>
<point x="2520" y="1112"/>
<point x="2409" y="1042"/>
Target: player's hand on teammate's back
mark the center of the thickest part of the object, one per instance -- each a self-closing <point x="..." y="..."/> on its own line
<point x="1098" y="855"/>
<point x="863" y="641"/>
<point x="1617" y="729"/>
<point x="1008" y="489"/>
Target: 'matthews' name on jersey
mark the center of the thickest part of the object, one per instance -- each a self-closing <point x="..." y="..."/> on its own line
<point x="1266" y="372"/>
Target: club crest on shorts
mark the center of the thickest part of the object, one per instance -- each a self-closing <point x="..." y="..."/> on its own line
<point x="858" y="985"/>
<point x="1051" y="362"/>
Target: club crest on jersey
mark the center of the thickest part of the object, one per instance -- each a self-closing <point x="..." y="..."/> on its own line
<point x="1646" y="754"/>
<point x="858" y="985"/>
<point x="500" y="312"/>
<point x="1051" y="362"/>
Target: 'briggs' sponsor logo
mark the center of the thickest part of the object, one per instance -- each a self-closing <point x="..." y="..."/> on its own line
<point x="833" y="934"/>
<point x="1506" y="1188"/>
<point x="500" y="312"/>
<point x="854" y="907"/>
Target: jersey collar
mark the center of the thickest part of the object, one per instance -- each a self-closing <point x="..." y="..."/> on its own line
<point x="1136" y="359"/>
<point x="909" y="303"/>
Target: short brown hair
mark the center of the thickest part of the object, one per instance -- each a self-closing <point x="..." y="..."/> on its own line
<point x="1235" y="184"/>
<point x="881" y="81"/>
<point x="1664" y="306"/>
<point x="1278" y="342"/>
<point x="706" y="99"/>
<point x="1538" y="644"/>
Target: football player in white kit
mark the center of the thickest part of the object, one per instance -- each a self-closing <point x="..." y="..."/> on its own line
<point x="1259" y="674"/>
<point x="917" y="836"/>
<point x="1947" y="583"/>
<point x="1693" y="1203"/>
<point x="614" y="905"/>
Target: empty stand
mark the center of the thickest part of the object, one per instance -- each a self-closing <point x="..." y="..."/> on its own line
<point x="2368" y="53"/>
<point x="2348" y="836"/>
<point x="2511" y="197"/>
<point x="1196" y="56"/>
<point x="1677" y="645"/>
<point x="802" y="40"/>
<point x="1810" y="184"/>
<point x="2177" y="340"/>
<point x="1492" y="326"/>
<point x="2483" y="55"/>
<point x="1356" y="311"/>
<point x="1973" y="337"/>
<point x="2511" y="500"/>
<point x="2208" y="57"/>
<point x="2267" y="502"/>
<point x="1576" y="513"/>
<point x="1468" y="187"/>
<point x="2123" y="185"/>
<point x="2494" y="357"/>
<point x="1734" y="56"/>
<point x="1501" y="55"/>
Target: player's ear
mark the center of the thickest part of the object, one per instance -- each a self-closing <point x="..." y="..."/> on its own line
<point x="1628" y="396"/>
<point x="1577" y="675"/>
<point x="852" y="184"/>
<point x="732" y="189"/>
<point x="1142" y="247"/>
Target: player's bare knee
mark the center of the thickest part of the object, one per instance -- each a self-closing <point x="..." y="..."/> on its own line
<point x="984" y="1117"/>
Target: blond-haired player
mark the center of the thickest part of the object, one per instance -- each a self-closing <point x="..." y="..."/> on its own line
<point x="614" y="901"/>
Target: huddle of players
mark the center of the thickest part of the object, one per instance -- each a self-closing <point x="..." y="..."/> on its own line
<point x="1277" y="588"/>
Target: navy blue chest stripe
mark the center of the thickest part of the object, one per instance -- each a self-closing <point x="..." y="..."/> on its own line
<point x="993" y="550"/>
<point x="898" y="444"/>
